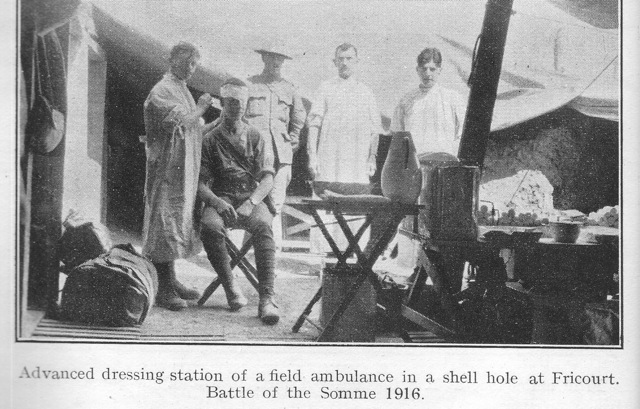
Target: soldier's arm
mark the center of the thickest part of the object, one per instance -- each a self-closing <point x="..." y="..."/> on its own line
<point x="298" y="116"/>
<point x="206" y="195"/>
<point x="267" y="171"/>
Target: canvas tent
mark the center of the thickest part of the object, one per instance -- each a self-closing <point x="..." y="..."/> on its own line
<point x="551" y="58"/>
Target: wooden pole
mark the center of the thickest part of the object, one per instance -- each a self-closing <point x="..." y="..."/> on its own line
<point x="484" y="78"/>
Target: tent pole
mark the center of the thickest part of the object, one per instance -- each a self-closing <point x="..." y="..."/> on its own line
<point x="484" y="78"/>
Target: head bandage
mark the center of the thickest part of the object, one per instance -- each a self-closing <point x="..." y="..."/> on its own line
<point x="234" y="91"/>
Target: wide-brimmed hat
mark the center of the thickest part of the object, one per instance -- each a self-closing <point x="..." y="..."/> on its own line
<point x="274" y="50"/>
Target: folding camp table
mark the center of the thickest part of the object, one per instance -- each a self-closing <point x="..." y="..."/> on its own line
<point x="383" y="215"/>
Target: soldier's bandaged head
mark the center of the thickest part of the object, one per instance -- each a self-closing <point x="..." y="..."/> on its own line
<point x="236" y="90"/>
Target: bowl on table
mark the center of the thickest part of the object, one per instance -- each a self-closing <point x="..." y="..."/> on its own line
<point x="565" y="231"/>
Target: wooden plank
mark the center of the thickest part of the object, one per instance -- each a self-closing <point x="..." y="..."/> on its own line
<point x="182" y="338"/>
<point x="300" y="215"/>
<point x="25" y="243"/>
<point x="61" y="329"/>
<point x="300" y="227"/>
<point x="426" y="323"/>
<point x="49" y="323"/>
<point x="52" y="332"/>
<point x="295" y="244"/>
<point x="90" y="332"/>
<point x="270" y="337"/>
<point x="424" y="338"/>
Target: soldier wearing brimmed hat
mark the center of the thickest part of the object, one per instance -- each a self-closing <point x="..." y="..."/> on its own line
<point x="275" y="108"/>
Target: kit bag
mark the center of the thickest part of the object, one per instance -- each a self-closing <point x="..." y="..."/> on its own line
<point x="82" y="240"/>
<point x="115" y="289"/>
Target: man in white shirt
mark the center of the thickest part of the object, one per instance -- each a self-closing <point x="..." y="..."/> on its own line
<point x="344" y="123"/>
<point x="432" y="113"/>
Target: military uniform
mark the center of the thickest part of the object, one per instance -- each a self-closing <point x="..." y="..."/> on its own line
<point x="233" y="177"/>
<point x="276" y="110"/>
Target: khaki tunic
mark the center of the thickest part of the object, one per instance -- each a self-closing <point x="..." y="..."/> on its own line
<point x="276" y="110"/>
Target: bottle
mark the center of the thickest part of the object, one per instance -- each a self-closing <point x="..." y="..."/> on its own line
<point x="401" y="178"/>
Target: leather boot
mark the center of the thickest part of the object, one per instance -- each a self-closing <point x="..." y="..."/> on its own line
<point x="235" y="298"/>
<point x="167" y="296"/>
<point x="264" y="248"/>
<point x="183" y="291"/>
<point x="213" y="242"/>
<point x="267" y="310"/>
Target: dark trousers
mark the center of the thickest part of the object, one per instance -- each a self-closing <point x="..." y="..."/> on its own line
<point x="258" y="224"/>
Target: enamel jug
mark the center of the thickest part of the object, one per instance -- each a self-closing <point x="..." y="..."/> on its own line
<point x="401" y="178"/>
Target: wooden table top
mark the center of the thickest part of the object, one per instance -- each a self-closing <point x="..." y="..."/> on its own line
<point x="362" y="204"/>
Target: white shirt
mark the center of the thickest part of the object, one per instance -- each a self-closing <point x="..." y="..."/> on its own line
<point x="433" y="116"/>
<point x="347" y="114"/>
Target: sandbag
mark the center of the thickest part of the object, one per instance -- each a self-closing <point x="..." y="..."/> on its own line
<point x="114" y="289"/>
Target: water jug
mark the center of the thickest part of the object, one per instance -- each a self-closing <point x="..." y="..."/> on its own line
<point x="401" y="178"/>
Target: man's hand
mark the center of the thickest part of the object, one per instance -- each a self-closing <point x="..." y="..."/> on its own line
<point x="226" y="211"/>
<point x="245" y="208"/>
<point x="204" y="101"/>
<point x="313" y="167"/>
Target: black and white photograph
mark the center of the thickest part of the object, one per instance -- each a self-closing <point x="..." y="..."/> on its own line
<point x="305" y="203"/>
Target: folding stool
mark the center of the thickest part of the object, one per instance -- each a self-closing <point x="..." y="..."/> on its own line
<point x="237" y="259"/>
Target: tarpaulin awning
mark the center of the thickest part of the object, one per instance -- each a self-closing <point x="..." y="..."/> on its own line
<point x="552" y="58"/>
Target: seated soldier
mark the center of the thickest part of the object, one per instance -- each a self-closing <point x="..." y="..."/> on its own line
<point x="236" y="177"/>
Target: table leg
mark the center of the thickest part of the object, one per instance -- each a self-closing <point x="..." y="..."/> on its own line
<point x="307" y="311"/>
<point x="376" y="246"/>
<point x="327" y="236"/>
<point x="353" y="240"/>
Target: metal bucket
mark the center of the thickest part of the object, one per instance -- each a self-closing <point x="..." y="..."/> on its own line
<point x="358" y="323"/>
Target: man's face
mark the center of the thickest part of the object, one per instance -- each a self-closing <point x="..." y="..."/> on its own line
<point x="428" y="73"/>
<point x="184" y="65"/>
<point x="233" y="108"/>
<point x="272" y="64"/>
<point x="346" y="62"/>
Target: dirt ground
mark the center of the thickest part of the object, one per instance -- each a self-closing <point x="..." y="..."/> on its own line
<point x="298" y="278"/>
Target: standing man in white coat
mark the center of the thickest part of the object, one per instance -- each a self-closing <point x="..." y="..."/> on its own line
<point x="173" y="123"/>
<point x="344" y="124"/>
<point x="432" y="113"/>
